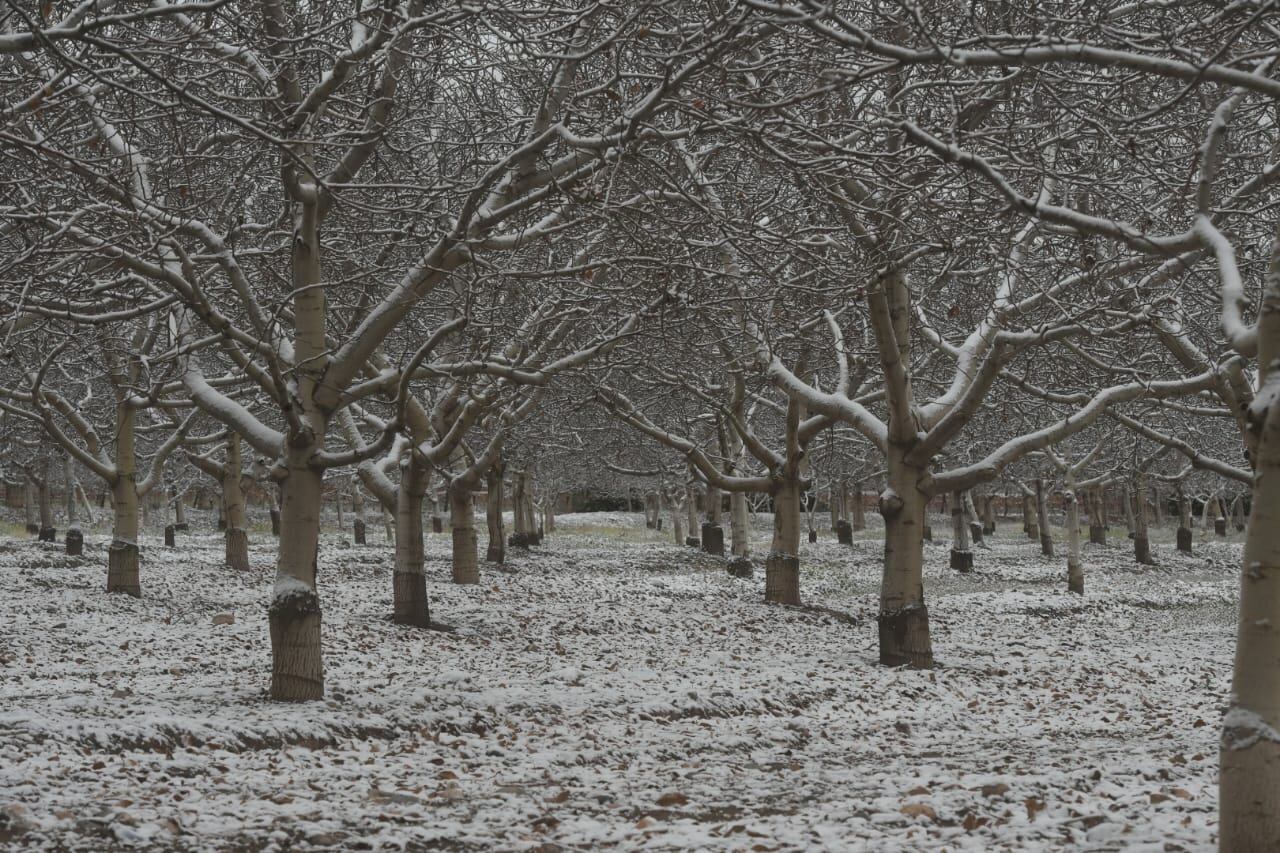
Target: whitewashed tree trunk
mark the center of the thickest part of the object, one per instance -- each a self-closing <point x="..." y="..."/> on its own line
<point x="236" y="537"/>
<point x="297" y="673"/>
<point x="740" y="525"/>
<point x="1075" y="568"/>
<point x="462" y="520"/>
<point x="1249" y="786"/>
<point x="409" y="603"/>
<point x="904" y="618"/>
<point x="359" y="526"/>
<point x="677" y="520"/>
<point x="75" y="536"/>
<point x="1030" y="522"/>
<point x="691" y="510"/>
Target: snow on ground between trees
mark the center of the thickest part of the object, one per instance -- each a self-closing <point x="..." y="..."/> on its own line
<point x="617" y="690"/>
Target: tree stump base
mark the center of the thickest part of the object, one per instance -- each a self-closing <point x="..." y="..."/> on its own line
<point x="495" y="553"/>
<point x="518" y="540"/>
<point x="782" y="579"/>
<point x="437" y="524"/>
<point x="75" y="542"/>
<point x="975" y="531"/>
<point x="33" y="530"/>
<point x="1220" y="527"/>
<point x="48" y="534"/>
<point x="740" y="567"/>
<point x="693" y="541"/>
<point x="170" y="540"/>
<point x="297" y="672"/>
<point x="1142" y="551"/>
<point x="713" y="539"/>
<point x="1184" y="540"/>
<point x="409" y="604"/>
<point x="844" y="532"/>
<point x="904" y="638"/>
<point x="358" y="531"/>
<point x="1097" y="534"/>
<point x="236" y="549"/>
<point x="122" y="568"/>
<point x="961" y="561"/>
<point x="813" y="536"/>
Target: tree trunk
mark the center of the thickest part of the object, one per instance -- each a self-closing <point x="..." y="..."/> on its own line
<point x="497" y="550"/>
<point x="677" y="521"/>
<point x="1075" y="569"/>
<point x="859" y="520"/>
<point x="297" y="673"/>
<point x="462" y="519"/>
<point x="358" y="526"/>
<point x="75" y="536"/>
<point x="903" y="618"/>
<point x="961" y="553"/>
<point x="47" y="531"/>
<point x="409" y="604"/>
<point x="236" y="538"/>
<point x="1249" y="786"/>
<point x="1141" y="540"/>
<point x="519" y="518"/>
<point x="1126" y="498"/>
<point x="179" y="512"/>
<point x="739" y="523"/>
<point x="712" y="532"/>
<point x="691" y="510"/>
<point x="84" y="502"/>
<point x="122" y="554"/>
<point x="782" y="567"/>
<point x="971" y="516"/>
<point x="1042" y="520"/>
<point x="989" y="515"/>
<point x="1184" y="523"/>
<point x="1097" y="530"/>
<point x="1029" y="520"/>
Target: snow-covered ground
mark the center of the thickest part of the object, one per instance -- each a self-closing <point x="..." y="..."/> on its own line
<point x="616" y="690"/>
